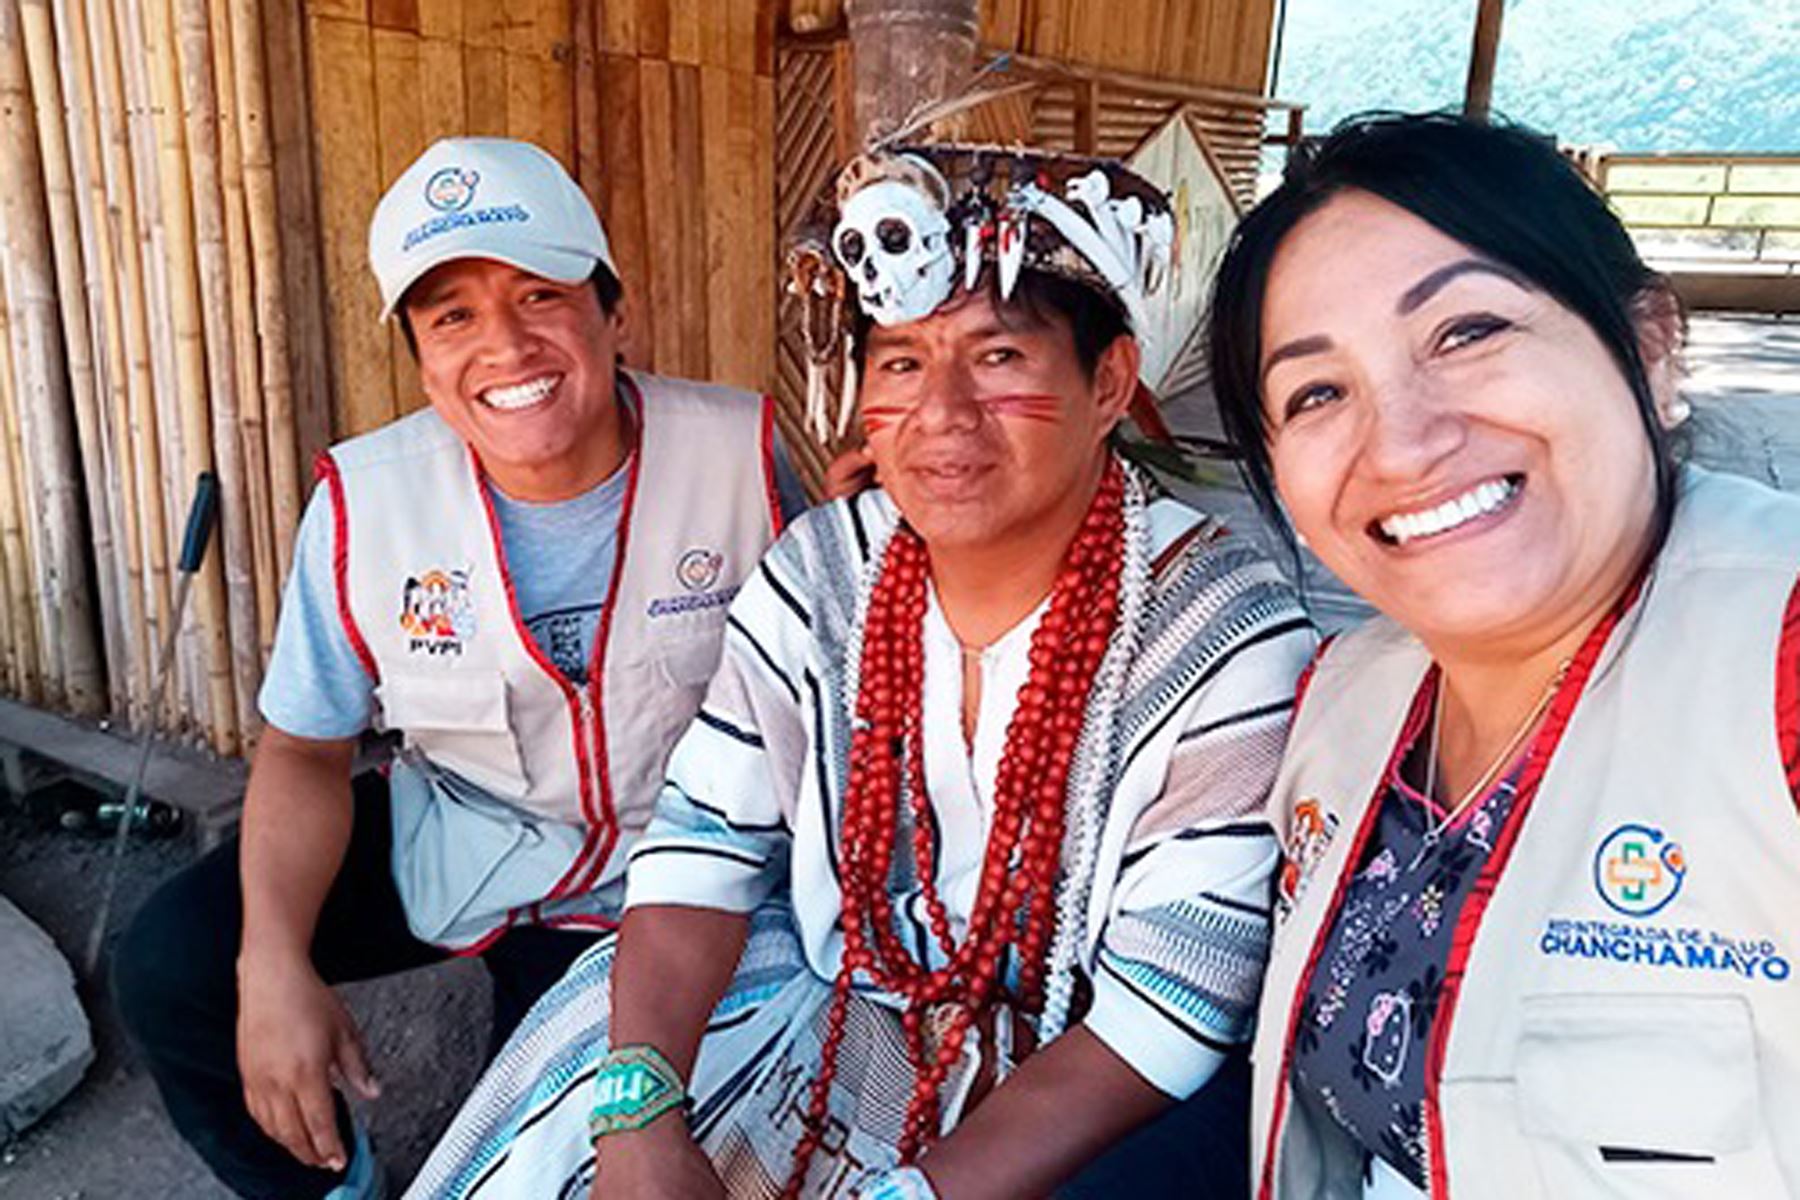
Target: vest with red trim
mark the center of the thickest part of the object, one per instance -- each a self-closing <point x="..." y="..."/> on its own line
<point x="1623" y="1017"/>
<point x="517" y="789"/>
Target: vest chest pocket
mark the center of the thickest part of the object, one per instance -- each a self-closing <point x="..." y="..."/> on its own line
<point x="1645" y="1096"/>
<point x="460" y="721"/>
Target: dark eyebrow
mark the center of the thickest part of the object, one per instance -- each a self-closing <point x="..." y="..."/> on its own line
<point x="1435" y="282"/>
<point x="1298" y="348"/>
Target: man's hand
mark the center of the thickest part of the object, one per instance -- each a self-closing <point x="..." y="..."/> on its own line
<point x="852" y="471"/>
<point x="294" y="1037"/>
<point x="657" y="1162"/>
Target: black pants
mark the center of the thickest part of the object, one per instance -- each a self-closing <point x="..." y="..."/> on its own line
<point x="175" y="975"/>
<point x="1198" y="1150"/>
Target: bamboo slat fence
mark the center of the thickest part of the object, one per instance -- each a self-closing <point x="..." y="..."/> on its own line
<point x="152" y="326"/>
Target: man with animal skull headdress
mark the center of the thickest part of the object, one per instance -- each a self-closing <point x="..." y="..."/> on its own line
<point x="960" y="873"/>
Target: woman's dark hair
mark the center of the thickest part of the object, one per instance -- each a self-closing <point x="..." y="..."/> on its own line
<point x="1502" y="190"/>
<point x="1095" y="321"/>
<point x="607" y="289"/>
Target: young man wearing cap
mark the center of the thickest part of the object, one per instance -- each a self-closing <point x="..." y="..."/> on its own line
<point x="961" y="874"/>
<point x="528" y="582"/>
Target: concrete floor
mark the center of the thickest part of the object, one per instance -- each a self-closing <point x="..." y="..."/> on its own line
<point x="425" y="1030"/>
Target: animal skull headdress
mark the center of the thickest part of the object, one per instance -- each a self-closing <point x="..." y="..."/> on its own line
<point x="907" y="225"/>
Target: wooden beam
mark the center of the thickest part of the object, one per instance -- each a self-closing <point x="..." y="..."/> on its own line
<point x="1479" y="94"/>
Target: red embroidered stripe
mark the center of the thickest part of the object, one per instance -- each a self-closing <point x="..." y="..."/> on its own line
<point x="326" y="468"/>
<point x="1306" y="675"/>
<point x="771" y="488"/>
<point x="1371" y="817"/>
<point x="608" y="822"/>
<point x="1787" y="693"/>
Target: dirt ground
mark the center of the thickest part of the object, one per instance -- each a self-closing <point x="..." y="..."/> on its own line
<point x="425" y="1031"/>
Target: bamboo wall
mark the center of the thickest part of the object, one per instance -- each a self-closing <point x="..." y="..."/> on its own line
<point x="152" y="332"/>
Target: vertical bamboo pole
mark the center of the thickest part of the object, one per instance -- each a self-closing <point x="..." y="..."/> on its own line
<point x="190" y="355"/>
<point x="129" y="665"/>
<point x="185" y="700"/>
<point x="40" y="386"/>
<point x="144" y="499"/>
<point x="194" y="54"/>
<point x="252" y="435"/>
<point x="257" y="153"/>
<point x="22" y="648"/>
<point x="84" y="667"/>
<point x="291" y="147"/>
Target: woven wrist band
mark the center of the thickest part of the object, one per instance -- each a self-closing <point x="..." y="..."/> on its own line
<point x="634" y="1086"/>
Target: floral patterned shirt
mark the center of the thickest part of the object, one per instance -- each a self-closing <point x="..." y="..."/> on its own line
<point x="1366" y="1019"/>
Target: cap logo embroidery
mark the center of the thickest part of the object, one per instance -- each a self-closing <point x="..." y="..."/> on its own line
<point x="451" y="189"/>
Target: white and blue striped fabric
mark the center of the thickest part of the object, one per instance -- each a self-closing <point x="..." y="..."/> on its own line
<point x="1178" y="910"/>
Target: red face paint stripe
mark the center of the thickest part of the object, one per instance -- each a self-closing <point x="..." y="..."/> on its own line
<point x="634" y="412"/>
<point x="770" y="487"/>
<point x="1468" y="921"/>
<point x="326" y="468"/>
<point x="1026" y="406"/>
<point x="1787" y="693"/>
<point x="1371" y="817"/>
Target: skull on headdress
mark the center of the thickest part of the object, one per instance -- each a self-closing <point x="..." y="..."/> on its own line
<point x="893" y="237"/>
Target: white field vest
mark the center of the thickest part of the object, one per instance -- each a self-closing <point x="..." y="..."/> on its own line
<point x="517" y="789"/>
<point x="1629" y="1021"/>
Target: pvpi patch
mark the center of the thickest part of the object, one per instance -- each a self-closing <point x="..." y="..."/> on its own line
<point x="437" y="612"/>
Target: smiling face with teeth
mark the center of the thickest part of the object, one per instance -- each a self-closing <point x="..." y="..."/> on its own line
<point x="522" y="367"/>
<point x="1457" y="446"/>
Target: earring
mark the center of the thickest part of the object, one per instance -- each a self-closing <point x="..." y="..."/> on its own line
<point x="1676" y="412"/>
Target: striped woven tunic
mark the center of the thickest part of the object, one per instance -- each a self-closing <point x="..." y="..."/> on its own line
<point x="1167" y="863"/>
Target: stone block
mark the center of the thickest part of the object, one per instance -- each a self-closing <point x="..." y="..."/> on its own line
<point x="45" y="1044"/>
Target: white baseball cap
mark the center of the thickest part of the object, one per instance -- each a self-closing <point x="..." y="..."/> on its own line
<point x="484" y="198"/>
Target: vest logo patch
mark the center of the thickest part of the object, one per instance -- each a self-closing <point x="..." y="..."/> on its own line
<point x="1638" y="871"/>
<point x="437" y="612"/>
<point x="699" y="569"/>
<point x="698" y="572"/>
<point x="1310" y="831"/>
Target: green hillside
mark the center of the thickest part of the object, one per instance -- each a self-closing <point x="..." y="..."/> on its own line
<point x="1640" y="75"/>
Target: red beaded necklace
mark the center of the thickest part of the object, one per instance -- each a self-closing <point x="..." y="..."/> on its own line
<point x="1015" y="901"/>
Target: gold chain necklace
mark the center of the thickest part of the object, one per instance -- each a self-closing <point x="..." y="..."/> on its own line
<point x="1435" y="833"/>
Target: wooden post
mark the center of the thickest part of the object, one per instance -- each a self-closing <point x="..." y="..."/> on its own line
<point x="1087" y="116"/>
<point x="908" y="54"/>
<point x="1479" y="95"/>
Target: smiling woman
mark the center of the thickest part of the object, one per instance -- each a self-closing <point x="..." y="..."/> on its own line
<point x="1444" y="364"/>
